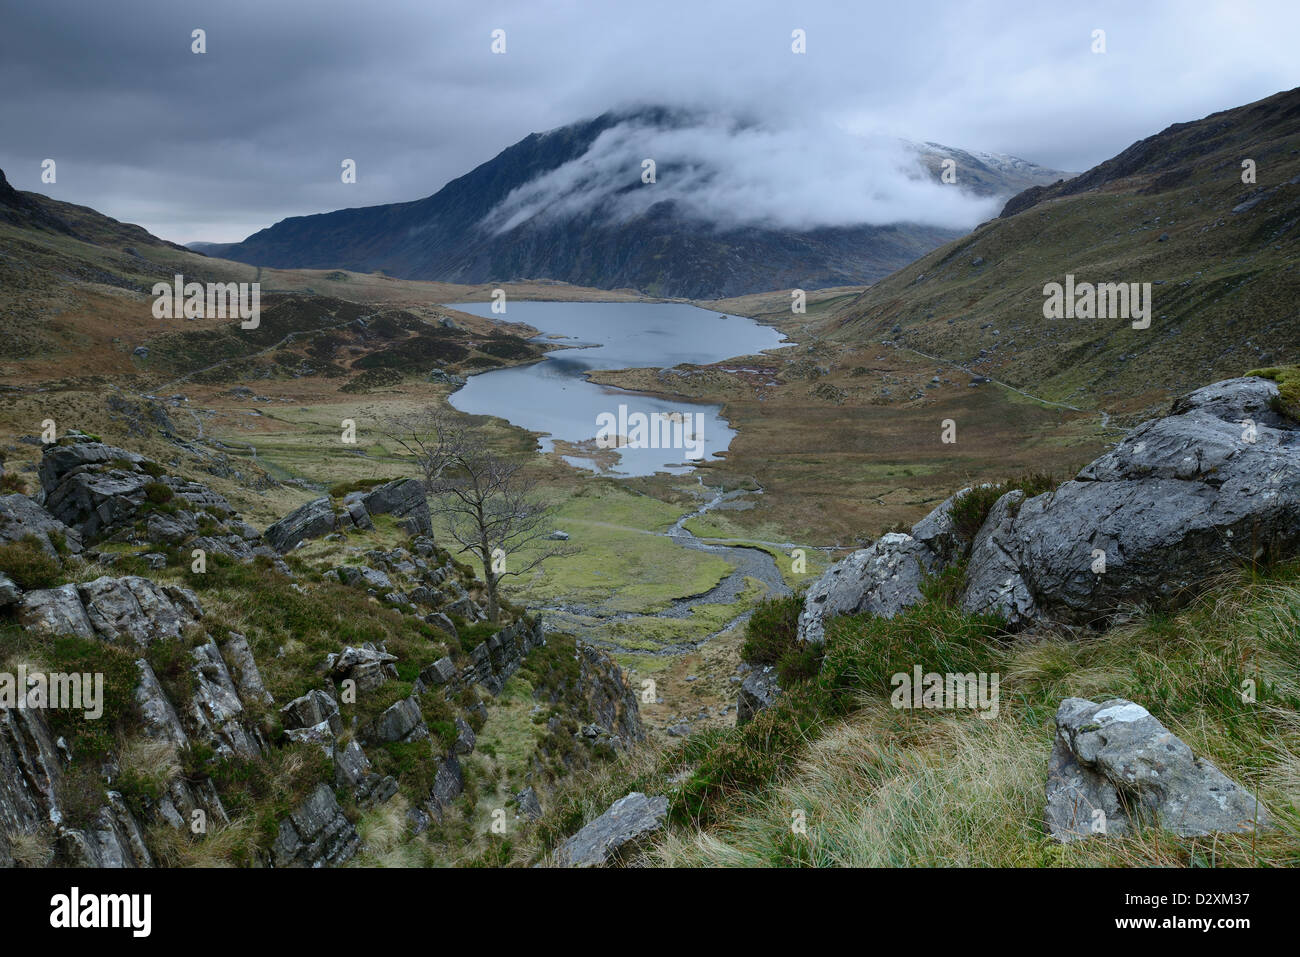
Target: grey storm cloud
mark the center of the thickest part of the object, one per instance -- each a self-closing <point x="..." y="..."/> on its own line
<point x="215" y="146"/>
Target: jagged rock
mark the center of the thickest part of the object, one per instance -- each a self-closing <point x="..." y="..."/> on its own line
<point x="9" y="592"/>
<point x="442" y="623"/>
<point x="466" y="608"/>
<point x="20" y="517"/>
<point x="607" y="698"/>
<point x="243" y="666"/>
<point x="315" y="834"/>
<point x="529" y="806"/>
<point x="365" y="577"/>
<point x="216" y="708"/>
<point x="171" y="529"/>
<point x="357" y="513"/>
<point x="92" y="487"/>
<point x="312" y="709"/>
<point x="115" y="842"/>
<point x="758" y="692"/>
<point x="998" y="584"/>
<point x="367" y="666"/>
<point x="56" y="611"/>
<point x="401" y="721"/>
<point x="138" y="608"/>
<point x="628" y="820"/>
<point x="448" y="783"/>
<point x="465" y="738"/>
<point x="160" y="718"/>
<point x="312" y="520"/>
<point x="1235" y="400"/>
<point x="404" y="499"/>
<point x="31" y="769"/>
<point x="881" y="580"/>
<point x="439" y="673"/>
<point x="939" y="534"/>
<point x="1179" y="500"/>
<point x="1117" y="759"/>
<point x="233" y="546"/>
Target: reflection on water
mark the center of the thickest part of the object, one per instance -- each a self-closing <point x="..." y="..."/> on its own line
<point x="552" y="396"/>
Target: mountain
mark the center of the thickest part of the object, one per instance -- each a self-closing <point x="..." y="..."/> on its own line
<point x="1172" y="210"/>
<point x="561" y="205"/>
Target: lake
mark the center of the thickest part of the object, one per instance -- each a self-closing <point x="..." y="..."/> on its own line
<point x="649" y="434"/>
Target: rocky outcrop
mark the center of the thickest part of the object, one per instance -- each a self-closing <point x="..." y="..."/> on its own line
<point x="21" y="517"/>
<point x="529" y="807"/>
<point x="312" y="520"/>
<point x="132" y="609"/>
<point x="401" y="721"/>
<point x="1114" y="767"/>
<point x="101" y="490"/>
<point x="880" y="580"/>
<point x="492" y="662"/>
<point x="217" y="711"/>
<point x="404" y="499"/>
<point x="758" y="692"/>
<point x="1211" y="487"/>
<point x="628" y="821"/>
<point x="32" y="767"/>
<point x="315" y="834"/>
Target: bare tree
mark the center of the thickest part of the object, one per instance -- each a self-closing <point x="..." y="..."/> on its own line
<point x="488" y="502"/>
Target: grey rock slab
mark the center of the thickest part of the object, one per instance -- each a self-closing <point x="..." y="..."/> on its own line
<point x="628" y="820"/>
<point x="758" y="692"/>
<point x="1118" y="757"/>
<point x="882" y="579"/>
<point x="312" y="520"/>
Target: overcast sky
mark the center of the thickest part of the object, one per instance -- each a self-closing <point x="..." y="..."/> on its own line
<point x="215" y="146"/>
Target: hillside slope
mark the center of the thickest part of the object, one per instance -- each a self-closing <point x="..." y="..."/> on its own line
<point x="1222" y="258"/>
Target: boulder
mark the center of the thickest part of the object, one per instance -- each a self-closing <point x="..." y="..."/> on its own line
<point x="628" y="820"/>
<point x="172" y="529"/>
<point x="1114" y="767"/>
<point x="403" y="499"/>
<point x="92" y="487"/>
<point x="312" y="520"/>
<point x="312" y="709"/>
<point x="367" y="666"/>
<point x="362" y="576"/>
<point x="20" y="517"/>
<point x="881" y="580"/>
<point x="56" y="611"/>
<point x="315" y="834"/>
<point x="9" y="592"/>
<point x="439" y="673"/>
<point x="1179" y="500"/>
<point x="529" y="807"/>
<point x="401" y="721"/>
<point x="758" y="692"/>
<point x="138" y="608"/>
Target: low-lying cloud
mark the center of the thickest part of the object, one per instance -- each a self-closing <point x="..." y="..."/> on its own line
<point x="719" y="172"/>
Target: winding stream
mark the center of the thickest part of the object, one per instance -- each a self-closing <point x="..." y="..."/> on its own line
<point x="748" y="562"/>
